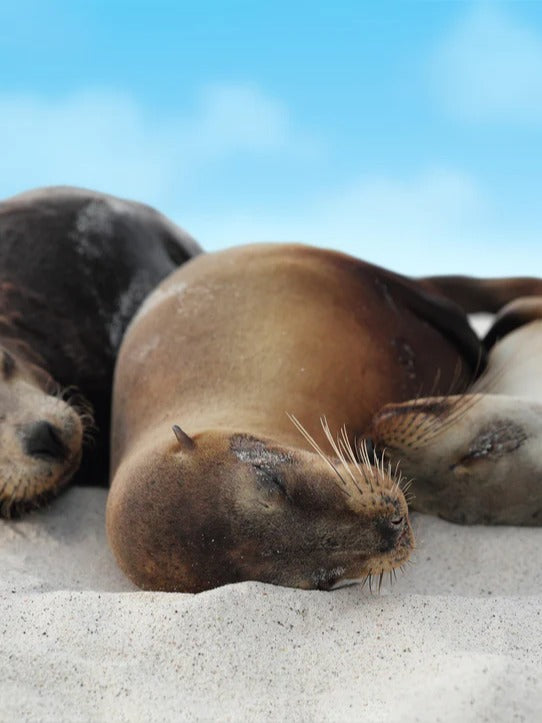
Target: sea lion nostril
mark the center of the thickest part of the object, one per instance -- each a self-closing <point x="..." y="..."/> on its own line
<point x="42" y="439"/>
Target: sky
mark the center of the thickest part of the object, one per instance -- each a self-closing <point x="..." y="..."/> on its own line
<point x="407" y="133"/>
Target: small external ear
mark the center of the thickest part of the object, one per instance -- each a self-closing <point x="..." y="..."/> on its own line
<point x="186" y="442"/>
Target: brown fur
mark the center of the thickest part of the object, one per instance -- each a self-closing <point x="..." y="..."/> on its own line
<point x="224" y="348"/>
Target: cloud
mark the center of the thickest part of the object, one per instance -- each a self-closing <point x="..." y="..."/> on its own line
<point x="106" y="140"/>
<point x="489" y="68"/>
<point x="436" y="221"/>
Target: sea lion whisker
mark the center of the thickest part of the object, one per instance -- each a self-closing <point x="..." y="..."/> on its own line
<point x="354" y="481"/>
<point x="342" y="448"/>
<point x="398" y="476"/>
<point x="430" y="426"/>
<point x="334" y="446"/>
<point x="449" y="416"/>
<point x="318" y="450"/>
<point x="397" y="484"/>
<point x="454" y="383"/>
<point x="352" y="455"/>
<point x="367" y="466"/>
<point x="363" y="454"/>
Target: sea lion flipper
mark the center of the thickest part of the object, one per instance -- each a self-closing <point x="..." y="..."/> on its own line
<point x="519" y="312"/>
<point x="482" y="295"/>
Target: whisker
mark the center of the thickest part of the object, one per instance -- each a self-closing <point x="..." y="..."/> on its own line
<point x="318" y="450"/>
<point x="350" y="452"/>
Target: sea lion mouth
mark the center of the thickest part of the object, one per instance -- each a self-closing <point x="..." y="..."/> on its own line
<point x="35" y="499"/>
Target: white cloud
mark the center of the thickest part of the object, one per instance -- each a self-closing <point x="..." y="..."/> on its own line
<point x="489" y="68"/>
<point x="436" y="221"/>
<point x="105" y="140"/>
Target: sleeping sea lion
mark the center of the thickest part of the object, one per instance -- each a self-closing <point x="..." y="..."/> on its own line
<point x="74" y="267"/>
<point x="475" y="458"/>
<point x="212" y="483"/>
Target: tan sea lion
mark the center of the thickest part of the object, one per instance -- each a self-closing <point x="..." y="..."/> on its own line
<point x="223" y="349"/>
<point x="475" y="458"/>
<point x="74" y="267"/>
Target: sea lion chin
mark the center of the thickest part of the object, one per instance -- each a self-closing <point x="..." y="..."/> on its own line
<point x="223" y="349"/>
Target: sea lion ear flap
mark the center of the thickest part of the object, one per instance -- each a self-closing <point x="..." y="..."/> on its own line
<point x="187" y="443"/>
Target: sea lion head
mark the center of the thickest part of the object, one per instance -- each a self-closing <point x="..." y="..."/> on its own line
<point x="40" y="436"/>
<point x="192" y="513"/>
<point x="473" y="458"/>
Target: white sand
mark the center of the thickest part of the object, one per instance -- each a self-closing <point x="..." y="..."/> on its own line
<point x="457" y="638"/>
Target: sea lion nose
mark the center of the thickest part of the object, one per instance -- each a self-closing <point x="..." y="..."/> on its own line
<point x="42" y="439"/>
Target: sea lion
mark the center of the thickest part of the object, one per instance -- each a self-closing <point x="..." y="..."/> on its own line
<point x="74" y="267"/>
<point x="476" y="294"/>
<point x="475" y="458"/>
<point x="220" y="352"/>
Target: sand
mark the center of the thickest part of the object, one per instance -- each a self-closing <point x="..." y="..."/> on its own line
<point x="457" y="638"/>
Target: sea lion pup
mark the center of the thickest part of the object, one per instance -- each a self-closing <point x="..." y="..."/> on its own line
<point x="219" y="353"/>
<point x="475" y="458"/>
<point x="74" y="267"/>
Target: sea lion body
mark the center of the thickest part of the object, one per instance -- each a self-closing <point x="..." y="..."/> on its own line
<point x="74" y="267"/>
<point x="225" y="347"/>
<point x="475" y="458"/>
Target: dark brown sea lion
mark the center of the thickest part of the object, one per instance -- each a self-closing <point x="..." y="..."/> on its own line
<point x="74" y="267"/>
<point x="225" y="347"/>
<point x="475" y="458"/>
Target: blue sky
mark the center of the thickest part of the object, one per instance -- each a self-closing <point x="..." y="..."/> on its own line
<point x="407" y="133"/>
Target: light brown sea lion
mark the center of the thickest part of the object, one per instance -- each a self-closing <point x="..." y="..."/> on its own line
<point x="225" y="347"/>
<point x="74" y="267"/>
<point x="475" y="458"/>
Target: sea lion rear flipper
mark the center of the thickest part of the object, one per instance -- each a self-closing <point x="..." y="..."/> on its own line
<point x="478" y="295"/>
<point x="519" y="312"/>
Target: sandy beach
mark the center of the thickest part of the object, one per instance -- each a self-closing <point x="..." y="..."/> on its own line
<point x="457" y="637"/>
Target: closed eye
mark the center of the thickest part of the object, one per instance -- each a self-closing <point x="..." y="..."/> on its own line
<point x="270" y="479"/>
